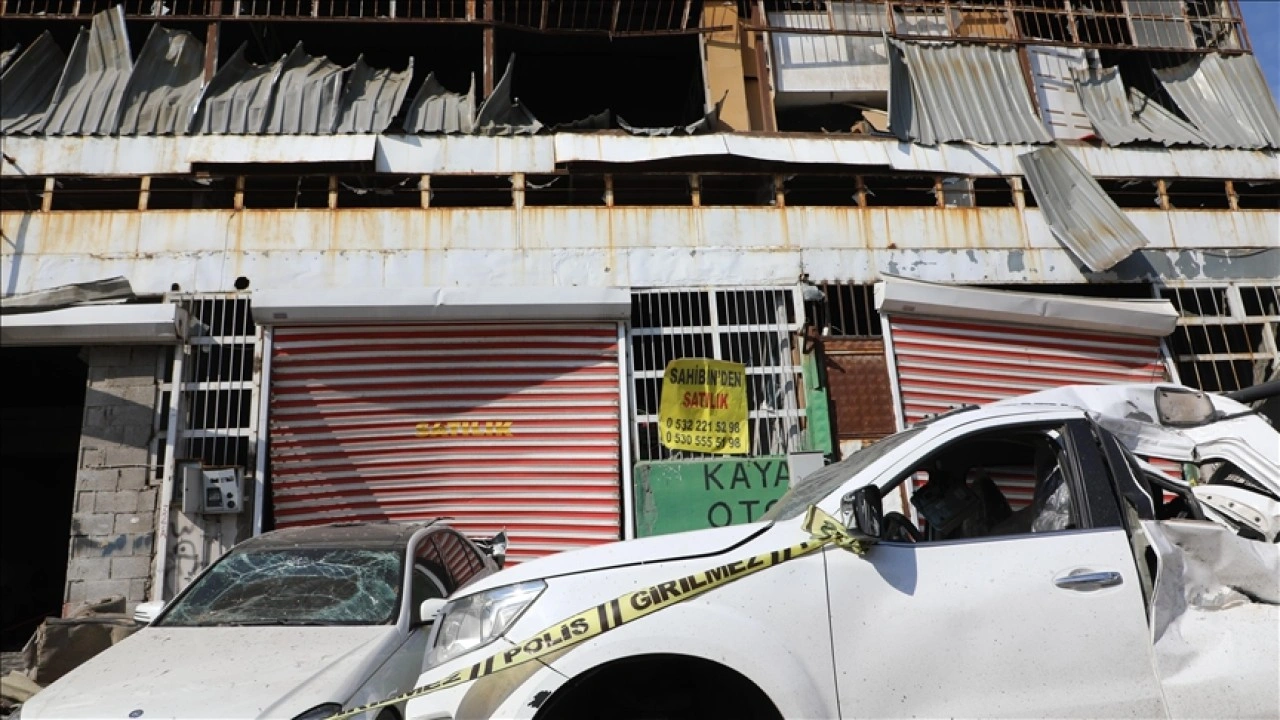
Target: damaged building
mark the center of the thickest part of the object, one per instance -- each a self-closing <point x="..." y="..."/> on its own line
<point x="278" y="262"/>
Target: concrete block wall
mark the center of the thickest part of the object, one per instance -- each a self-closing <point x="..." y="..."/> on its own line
<point x="113" y="524"/>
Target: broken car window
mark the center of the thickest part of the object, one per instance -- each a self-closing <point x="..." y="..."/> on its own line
<point x="294" y="586"/>
<point x="825" y="481"/>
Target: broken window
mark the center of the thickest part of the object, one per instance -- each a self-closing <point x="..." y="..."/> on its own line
<point x="821" y="190"/>
<point x="373" y="191"/>
<point x="754" y="326"/>
<point x="1263" y="195"/>
<point x="84" y="193"/>
<point x="1226" y="337"/>
<point x="900" y="191"/>
<point x="21" y="193"/>
<point x="1043" y="20"/>
<point x="283" y="192"/>
<point x="568" y="189"/>
<point x="1132" y="193"/>
<point x="1102" y="22"/>
<point x="1196" y="194"/>
<point x="191" y="193"/>
<point x="471" y="191"/>
<point x="299" y="585"/>
<point x="737" y="189"/>
<point x="652" y="189"/>
<point x="649" y="82"/>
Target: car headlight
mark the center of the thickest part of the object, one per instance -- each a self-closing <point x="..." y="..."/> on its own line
<point x="320" y="712"/>
<point x="476" y="620"/>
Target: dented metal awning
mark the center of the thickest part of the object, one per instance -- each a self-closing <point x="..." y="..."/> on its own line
<point x="950" y="92"/>
<point x="905" y="296"/>
<point x="368" y="305"/>
<point x="151" y="324"/>
<point x="1227" y="99"/>
<point x="1080" y="213"/>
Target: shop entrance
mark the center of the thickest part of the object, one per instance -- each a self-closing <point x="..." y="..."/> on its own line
<point x="40" y="421"/>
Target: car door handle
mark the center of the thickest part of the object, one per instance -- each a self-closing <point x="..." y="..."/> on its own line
<point x="1089" y="580"/>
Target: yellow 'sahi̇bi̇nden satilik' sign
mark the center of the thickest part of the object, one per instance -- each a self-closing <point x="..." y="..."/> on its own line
<point x="704" y="406"/>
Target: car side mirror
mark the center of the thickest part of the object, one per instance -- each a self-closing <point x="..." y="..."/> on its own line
<point x="497" y="547"/>
<point x="429" y="608"/>
<point x="145" y="613"/>
<point x="865" y="508"/>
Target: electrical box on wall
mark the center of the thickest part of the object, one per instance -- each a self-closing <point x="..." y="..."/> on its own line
<point x="212" y="491"/>
<point x="222" y="490"/>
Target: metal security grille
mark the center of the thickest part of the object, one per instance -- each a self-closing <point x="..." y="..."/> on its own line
<point x="1226" y="335"/>
<point x="218" y="382"/>
<point x="757" y="327"/>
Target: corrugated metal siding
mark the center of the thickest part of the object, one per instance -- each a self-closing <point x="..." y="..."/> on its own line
<point x="87" y="99"/>
<point x="436" y="110"/>
<point x="372" y="98"/>
<point x="307" y="95"/>
<point x="360" y="429"/>
<point x="1060" y="107"/>
<point x="1079" y="212"/>
<point x="27" y="85"/>
<point x="238" y="98"/>
<point x="942" y="364"/>
<point x="1227" y="99"/>
<point x="956" y="92"/>
<point x="165" y="85"/>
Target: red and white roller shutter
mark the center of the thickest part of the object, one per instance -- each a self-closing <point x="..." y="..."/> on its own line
<point x="944" y="363"/>
<point x="494" y="426"/>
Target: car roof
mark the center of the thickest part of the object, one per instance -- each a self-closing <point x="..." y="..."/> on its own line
<point x="357" y="534"/>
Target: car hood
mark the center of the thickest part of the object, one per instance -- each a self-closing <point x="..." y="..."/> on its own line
<point x="694" y="543"/>
<point x="218" y="672"/>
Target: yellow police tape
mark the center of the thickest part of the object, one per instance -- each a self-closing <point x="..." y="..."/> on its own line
<point x="823" y="529"/>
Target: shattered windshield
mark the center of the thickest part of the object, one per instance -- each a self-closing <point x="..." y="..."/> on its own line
<point x="294" y="586"/>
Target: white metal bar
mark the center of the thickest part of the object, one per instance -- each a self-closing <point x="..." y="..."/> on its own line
<point x="262" y="399"/>
<point x="624" y="424"/>
<point x="160" y="561"/>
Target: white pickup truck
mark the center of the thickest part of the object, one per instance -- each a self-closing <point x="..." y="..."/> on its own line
<point x="1106" y="590"/>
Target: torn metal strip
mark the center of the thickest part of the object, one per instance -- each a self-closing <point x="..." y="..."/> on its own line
<point x="1226" y="98"/>
<point x="164" y="88"/>
<point x="238" y="99"/>
<point x="1078" y="210"/>
<point x="502" y="113"/>
<point x="372" y="97"/>
<point x="436" y="110"/>
<point x="26" y="87"/>
<point x="307" y="95"/>
<point x="1121" y="118"/>
<point x="951" y="92"/>
<point x="87" y="98"/>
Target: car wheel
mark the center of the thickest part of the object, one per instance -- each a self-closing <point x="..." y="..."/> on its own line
<point x="388" y="714"/>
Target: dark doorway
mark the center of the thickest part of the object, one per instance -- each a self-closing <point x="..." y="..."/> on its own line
<point x="40" y="421"/>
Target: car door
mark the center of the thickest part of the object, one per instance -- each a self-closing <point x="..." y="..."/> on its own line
<point x="1020" y="625"/>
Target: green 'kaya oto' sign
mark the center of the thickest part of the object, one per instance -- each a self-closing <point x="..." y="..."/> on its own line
<point x="704" y="406"/>
<point x="679" y="495"/>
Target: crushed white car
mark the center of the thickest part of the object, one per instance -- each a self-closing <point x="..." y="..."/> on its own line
<point x="1015" y="560"/>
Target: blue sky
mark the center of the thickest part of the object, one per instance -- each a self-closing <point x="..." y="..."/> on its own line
<point x="1262" y="20"/>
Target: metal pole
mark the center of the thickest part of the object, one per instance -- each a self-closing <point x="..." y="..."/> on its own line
<point x="262" y="380"/>
<point x="160" y="560"/>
